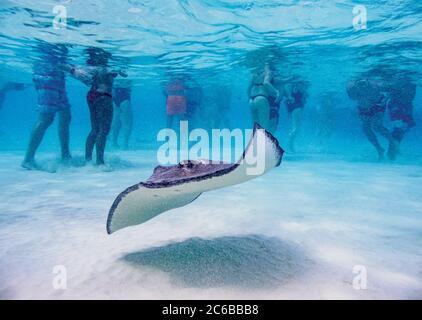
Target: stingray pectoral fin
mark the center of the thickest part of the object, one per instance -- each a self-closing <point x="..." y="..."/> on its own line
<point x="139" y="204"/>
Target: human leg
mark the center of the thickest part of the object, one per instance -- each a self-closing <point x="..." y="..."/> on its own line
<point x="378" y="125"/>
<point x="44" y="121"/>
<point x="105" y="117"/>
<point x="260" y="110"/>
<point x="63" y="129"/>
<point x="92" y="136"/>
<point x="367" y="122"/>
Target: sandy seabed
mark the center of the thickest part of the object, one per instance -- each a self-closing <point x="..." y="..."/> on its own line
<point x="298" y="232"/>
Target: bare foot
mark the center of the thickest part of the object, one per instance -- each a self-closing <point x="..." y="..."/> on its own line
<point x="29" y="165"/>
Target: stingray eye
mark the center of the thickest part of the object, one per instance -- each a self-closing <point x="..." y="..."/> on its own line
<point x="189" y="164"/>
<point x="186" y="164"/>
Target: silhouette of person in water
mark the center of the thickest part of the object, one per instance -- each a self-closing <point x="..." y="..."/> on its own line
<point x="371" y="104"/>
<point x="259" y="92"/>
<point x="122" y="114"/>
<point x="176" y="102"/>
<point x="100" y="78"/>
<point x="401" y="93"/>
<point x="296" y="96"/>
<point x="49" y="81"/>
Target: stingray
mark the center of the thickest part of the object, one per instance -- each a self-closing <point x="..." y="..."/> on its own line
<point x="175" y="186"/>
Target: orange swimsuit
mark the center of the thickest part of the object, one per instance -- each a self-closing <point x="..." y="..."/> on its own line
<point x="176" y="101"/>
<point x="176" y="105"/>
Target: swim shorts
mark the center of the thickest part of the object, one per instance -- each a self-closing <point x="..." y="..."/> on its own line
<point x="176" y="105"/>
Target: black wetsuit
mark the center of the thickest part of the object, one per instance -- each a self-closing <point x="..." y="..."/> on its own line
<point x="101" y="113"/>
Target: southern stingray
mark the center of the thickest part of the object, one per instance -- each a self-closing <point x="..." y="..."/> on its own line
<point x="175" y="186"/>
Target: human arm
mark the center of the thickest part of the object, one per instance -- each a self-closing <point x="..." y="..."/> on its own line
<point x="268" y="83"/>
<point x="271" y="90"/>
<point x="79" y="73"/>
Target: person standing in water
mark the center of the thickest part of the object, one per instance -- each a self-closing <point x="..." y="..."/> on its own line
<point x="176" y="104"/>
<point x="371" y="104"/>
<point x="401" y="93"/>
<point x="259" y="91"/>
<point x="122" y="113"/>
<point x="99" y="98"/>
<point x="49" y="81"/>
<point x="295" y="103"/>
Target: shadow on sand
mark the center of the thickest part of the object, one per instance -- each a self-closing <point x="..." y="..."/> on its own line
<point x="241" y="261"/>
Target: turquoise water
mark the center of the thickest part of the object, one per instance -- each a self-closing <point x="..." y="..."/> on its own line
<point x="215" y="42"/>
<point x="297" y="232"/>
